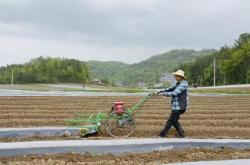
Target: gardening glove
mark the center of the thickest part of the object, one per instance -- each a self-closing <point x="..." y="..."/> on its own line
<point x="160" y="93"/>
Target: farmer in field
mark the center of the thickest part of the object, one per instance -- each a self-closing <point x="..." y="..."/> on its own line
<point x="179" y="103"/>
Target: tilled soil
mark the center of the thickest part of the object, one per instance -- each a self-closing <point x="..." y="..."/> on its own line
<point x="157" y="157"/>
<point x="207" y="117"/>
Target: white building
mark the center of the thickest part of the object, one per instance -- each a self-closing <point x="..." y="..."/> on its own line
<point x="141" y="84"/>
<point x="167" y="78"/>
<point x="97" y="81"/>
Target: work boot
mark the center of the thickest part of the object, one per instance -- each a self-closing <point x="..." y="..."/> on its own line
<point x="162" y="133"/>
<point x="167" y="127"/>
<point x="180" y="130"/>
<point x="182" y="136"/>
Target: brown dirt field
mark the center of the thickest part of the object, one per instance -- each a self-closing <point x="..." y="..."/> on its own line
<point x="214" y="117"/>
<point x="156" y="157"/>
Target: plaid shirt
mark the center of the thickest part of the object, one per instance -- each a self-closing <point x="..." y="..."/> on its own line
<point x="174" y="92"/>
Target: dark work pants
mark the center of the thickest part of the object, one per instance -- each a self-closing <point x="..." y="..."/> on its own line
<point x="174" y="121"/>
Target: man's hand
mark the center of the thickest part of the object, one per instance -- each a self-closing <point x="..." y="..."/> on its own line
<point x="160" y="93"/>
<point x="156" y="94"/>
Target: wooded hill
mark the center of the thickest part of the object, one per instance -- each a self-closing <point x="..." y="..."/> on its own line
<point x="46" y="70"/>
<point x="147" y="71"/>
<point x="232" y="65"/>
<point x="56" y="70"/>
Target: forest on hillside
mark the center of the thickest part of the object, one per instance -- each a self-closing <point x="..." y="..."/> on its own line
<point x="232" y="65"/>
<point x="46" y="70"/>
<point x="147" y="71"/>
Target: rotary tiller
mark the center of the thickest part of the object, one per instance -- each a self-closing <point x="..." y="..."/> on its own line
<point x="119" y="122"/>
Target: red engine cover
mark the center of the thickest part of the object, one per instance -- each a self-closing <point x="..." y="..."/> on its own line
<point x="119" y="107"/>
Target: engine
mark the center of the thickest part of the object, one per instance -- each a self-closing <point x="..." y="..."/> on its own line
<point x="119" y="107"/>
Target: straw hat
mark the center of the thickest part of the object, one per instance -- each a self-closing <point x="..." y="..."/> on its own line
<point x="180" y="73"/>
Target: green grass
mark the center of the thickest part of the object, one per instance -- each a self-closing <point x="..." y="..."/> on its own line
<point x="114" y="89"/>
<point x="35" y="87"/>
<point x="119" y="90"/>
<point x="97" y="88"/>
<point x="44" y="87"/>
<point x="232" y="90"/>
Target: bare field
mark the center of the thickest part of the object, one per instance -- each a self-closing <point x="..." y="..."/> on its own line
<point x="214" y="117"/>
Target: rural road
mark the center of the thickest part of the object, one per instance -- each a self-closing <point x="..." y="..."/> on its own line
<point x="226" y="86"/>
<point x="115" y="146"/>
<point x="77" y="86"/>
<point x="35" y="131"/>
<point x="15" y="92"/>
<point x="10" y="92"/>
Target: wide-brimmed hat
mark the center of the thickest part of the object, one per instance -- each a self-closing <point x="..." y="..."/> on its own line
<point x="180" y="73"/>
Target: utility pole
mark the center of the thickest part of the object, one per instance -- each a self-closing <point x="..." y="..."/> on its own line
<point x="214" y="72"/>
<point x="247" y="77"/>
<point x="12" y="77"/>
<point x="224" y="79"/>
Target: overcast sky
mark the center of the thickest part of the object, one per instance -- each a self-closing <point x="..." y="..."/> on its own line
<point x="121" y="30"/>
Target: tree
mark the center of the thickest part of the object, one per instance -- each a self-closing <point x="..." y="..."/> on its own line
<point x="46" y="70"/>
<point x="248" y="76"/>
<point x="244" y="38"/>
<point x="232" y="66"/>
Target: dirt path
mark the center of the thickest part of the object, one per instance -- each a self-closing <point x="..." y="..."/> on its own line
<point x="156" y="157"/>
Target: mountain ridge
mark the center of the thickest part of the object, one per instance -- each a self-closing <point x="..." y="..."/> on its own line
<point x="148" y="70"/>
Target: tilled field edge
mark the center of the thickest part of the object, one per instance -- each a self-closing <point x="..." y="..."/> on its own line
<point x="216" y="117"/>
<point x="156" y="157"/>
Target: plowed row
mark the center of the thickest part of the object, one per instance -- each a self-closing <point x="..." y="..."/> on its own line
<point x="216" y="117"/>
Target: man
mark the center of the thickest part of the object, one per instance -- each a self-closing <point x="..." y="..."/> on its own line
<point x="179" y="103"/>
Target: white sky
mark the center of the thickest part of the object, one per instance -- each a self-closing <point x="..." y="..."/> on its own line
<point x="120" y="30"/>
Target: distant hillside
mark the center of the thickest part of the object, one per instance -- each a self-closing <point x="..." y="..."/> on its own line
<point x="147" y="71"/>
<point x="105" y="70"/>
<point x="46" y="70"/>
<point x="56" y="70"/>
<point x="232" y="65"/>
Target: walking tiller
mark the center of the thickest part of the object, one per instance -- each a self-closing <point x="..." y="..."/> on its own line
<point x="119" y="122"/>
